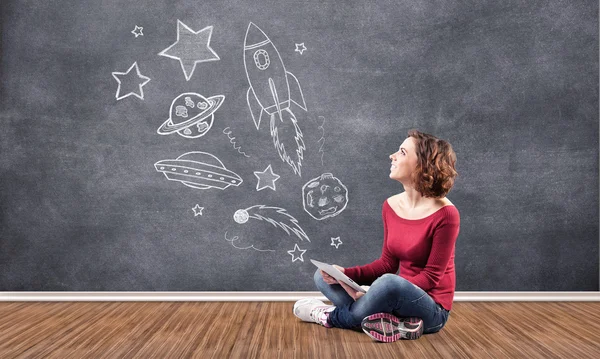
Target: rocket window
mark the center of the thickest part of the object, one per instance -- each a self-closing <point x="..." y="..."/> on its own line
<point x="261" y="59"/>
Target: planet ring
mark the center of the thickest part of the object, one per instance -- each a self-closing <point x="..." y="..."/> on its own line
<point x="168" y="127"/>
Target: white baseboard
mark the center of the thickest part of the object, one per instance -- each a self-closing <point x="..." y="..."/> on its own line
<point x="274" y="296"/>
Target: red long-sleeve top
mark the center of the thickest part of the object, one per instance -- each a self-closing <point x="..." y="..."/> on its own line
<point x="422" y="248"/>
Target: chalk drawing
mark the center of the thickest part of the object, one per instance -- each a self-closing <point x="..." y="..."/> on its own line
<point x="266" y="179"/>
<point x="278" y="217"/>
<point x="192" y="47"/>
<point x="324" y="196"/>
<point x="272" y="91"/>
<point x="237" y="238"/>
<point x="130" y="79"/>
<point x="227" y="131"/>
<point x="336" y="242"/>
<point x="322" y="139"/>
<point x="200" y="170"/>
<point x="191" y="115"/>
<point x="300" y="48"/>
<point x="294" y="253"/>
<point x="137" y="31"/>
<point x="197" y="210"/>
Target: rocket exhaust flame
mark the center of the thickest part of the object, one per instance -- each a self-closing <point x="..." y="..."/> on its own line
<point x="272" y="91"/>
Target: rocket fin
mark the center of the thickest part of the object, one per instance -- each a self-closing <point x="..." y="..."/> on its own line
<point x="255" y="108"/>
<point x="296" y="95"/>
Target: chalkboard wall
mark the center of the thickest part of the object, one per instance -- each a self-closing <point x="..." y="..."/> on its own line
<point x="189" y="145"/>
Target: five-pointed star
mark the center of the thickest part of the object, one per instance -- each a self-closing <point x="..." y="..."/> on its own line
<point x="129" y="80"/>
<point x="336" y="241"/>
<point x="190" y="48"/>
<point x="300" y="48"/>
<point x="266" y="179"/>
<point x="197" y="210"/>
<point x="137" y="31"/>
<point x="297" y="256"/>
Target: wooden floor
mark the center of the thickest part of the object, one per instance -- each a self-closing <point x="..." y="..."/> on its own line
<point x="270" y="330"/>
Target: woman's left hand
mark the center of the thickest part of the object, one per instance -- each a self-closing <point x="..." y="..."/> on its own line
<point x="351" y="291"/>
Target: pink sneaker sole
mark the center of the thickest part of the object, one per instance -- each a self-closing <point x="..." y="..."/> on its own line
<point x="385" y="327"/>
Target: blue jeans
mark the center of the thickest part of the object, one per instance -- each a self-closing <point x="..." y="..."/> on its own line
<point x="389" y="293"/>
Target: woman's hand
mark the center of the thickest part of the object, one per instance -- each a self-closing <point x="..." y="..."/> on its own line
<point x="351" y="291"/>
<point x="329" y="279"/>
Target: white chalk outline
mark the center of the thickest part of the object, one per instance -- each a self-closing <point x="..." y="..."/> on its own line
<point x="300" y="50"/>
<point x="336" y="239"/>
<point x="227" y="131"/>
<point x="235" y="238"/>
<point x="297" y="249"/>
<point x="197" y="210"/>
<point x="320" y="178"/>
<point x="206" y="172"/>
<point x="322" y="137"/>
<point x="137" y="69"/>
<point x="179" y="25"/>
<point x="282" y="101"/>
<point x="140" y="33"/>
<point x="266" y="177"/>
<point x="262" y="212"/>
<point x="168" y="127"/>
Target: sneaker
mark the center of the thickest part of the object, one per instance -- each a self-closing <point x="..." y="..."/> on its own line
<point x="385" y="327"/>
<point x="313" y="310"/>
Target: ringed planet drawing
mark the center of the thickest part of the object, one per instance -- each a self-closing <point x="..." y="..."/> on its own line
<point x="191" y="115"/>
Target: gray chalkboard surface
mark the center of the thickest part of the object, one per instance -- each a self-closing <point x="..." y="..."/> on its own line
<point x="184" y="145"/>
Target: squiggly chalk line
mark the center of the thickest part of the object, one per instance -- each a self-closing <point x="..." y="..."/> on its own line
<point x="235" y="238"/>
<point x="227" y="131"/>
<point x="322" y="138"/>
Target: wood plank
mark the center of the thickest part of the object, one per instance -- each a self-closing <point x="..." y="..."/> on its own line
<point x="270" y="330"/>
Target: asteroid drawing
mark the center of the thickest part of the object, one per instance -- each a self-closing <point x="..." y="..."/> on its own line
<point x="324" y="196"/>
<point x="271" y="93"/>
<point x="191" y="115"/>
<point x="199" y="170"/>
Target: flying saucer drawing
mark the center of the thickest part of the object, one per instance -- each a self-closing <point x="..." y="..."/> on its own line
<point x="191" y="115"/>
<point x="200" y="170"/>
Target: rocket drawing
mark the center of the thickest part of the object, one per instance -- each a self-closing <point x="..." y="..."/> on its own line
<point x="271" y="93"/>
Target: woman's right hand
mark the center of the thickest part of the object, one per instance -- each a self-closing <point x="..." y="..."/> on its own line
<point x="329" y="279"/>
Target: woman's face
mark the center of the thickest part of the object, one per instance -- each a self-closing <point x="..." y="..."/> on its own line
<point x="404" y="161"/>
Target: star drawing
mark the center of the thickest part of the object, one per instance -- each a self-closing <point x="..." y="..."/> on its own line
<point x="130" y="79"/>
<point x="266" y="179"/>
<point x="137" y="31"/>
<point x="197" y="210"/>
<point x="191" y="48"/>
<point x="336" y="242"/>
<point x="297" y="256"/>
<point x="300" y="48"/>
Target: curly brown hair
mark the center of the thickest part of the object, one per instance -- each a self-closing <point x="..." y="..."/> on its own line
<point x="435" y="172"/>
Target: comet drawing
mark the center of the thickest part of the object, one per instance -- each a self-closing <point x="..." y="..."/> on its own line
<point x="275" y="215"/>
<point x="271" y="93"/>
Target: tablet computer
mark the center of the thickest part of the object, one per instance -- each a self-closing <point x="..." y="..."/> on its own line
<point x="337" y="274"/>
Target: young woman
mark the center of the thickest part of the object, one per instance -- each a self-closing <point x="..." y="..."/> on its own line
<point x="420" y="230"/>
